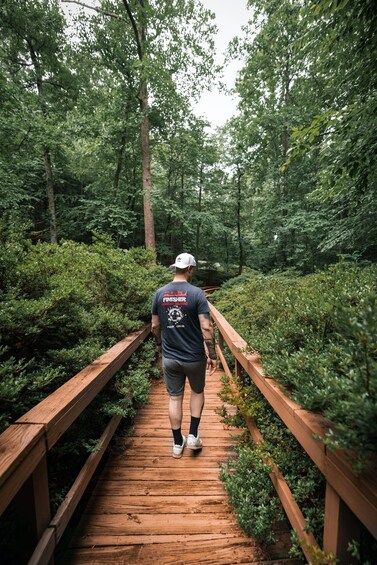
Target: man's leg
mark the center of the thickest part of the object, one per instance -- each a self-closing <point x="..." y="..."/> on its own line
<point x="196" y="376"/>
<point x="196" y="409"/>
<point x="175" y="416"/>
<point x="175" y="384"/>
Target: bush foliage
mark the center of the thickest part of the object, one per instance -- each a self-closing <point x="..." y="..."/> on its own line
<point x="280" y="446"/>
<point x="63" y="306"/>
<point x="318" y="337"/>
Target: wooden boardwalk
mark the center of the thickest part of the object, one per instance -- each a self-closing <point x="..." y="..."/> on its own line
<point x="150" y="508"/>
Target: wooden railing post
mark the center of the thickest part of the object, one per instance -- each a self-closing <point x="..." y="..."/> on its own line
<point x="33" y="510"/>
<point x="220" y="340"/>
<point x="341" y="526"/>
<point x="239" y="372"/>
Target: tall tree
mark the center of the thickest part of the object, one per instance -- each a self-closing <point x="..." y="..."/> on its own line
<point x="173" y="47"/>
<point x="38" y="57"/>
<point x="343" y="51"/>
<point x="277" y="90"/>
<point x="139" y="30"/>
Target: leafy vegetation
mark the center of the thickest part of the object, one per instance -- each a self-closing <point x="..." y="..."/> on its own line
<point x="317" y="337"/>
<point x="279" y="445"/>
<point x="61" y="307"/>
<point x="251" y="492"/>
<point x="295" y="168"/>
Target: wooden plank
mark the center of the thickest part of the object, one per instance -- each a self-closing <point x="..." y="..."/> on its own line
<point x="141" y="555"/>
<point x="161" y="462"/>
<point x="45" y="547"/>
<point x="63" y="406"/>
<point x="187" y="504"/>
<point x="152" y="488"/>
<point x="359" y="493"/>
<point x="21" y="449"/>
<point x="213" y="456"/>
<point x="32" y="510"/>
<point x="223" y="362"/>
<point x="188" y="552"/>
<point x="341" y="527"/>
<point x="153" y="539"/>
<point x="206" y="431"/>
<point x="151" y="442"/>
<point x="16" y="442"/>
<point x="209" y="421"/>
<point x="114" y="544"/>
<point x="156" y="474"/>
<point x="209" y="407"/>
<point x="144" y="524"/>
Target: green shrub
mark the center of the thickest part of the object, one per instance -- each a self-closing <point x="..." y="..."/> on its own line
<point x="251" y="492"/>
<point x="61" y="306"/>
<point x="302" y="476"/>
<point x="317" y="337"/>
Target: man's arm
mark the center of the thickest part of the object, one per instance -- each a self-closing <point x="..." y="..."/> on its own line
<point x="156" y="329"/>
<point x="209" y="339"/>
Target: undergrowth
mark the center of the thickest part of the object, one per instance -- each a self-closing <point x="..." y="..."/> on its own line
<point x="317" y="336"/>
<point x="61" y="307"/>
<point x="302" y="476"/>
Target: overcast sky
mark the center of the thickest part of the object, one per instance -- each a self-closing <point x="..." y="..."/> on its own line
<point x="215" y="106"/>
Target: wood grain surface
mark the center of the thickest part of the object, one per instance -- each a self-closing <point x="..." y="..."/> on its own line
<point x="148" y="507"/>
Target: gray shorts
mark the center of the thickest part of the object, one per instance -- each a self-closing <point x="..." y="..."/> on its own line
<point x="175" y="373"/>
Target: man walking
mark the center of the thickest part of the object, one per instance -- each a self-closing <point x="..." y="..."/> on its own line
<point x="181" y="324"/>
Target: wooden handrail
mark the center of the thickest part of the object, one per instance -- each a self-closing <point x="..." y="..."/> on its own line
<point x="348" y="495"/>
<point x="290" y="506"/>
<point x="209" y="289"/>
<point x="24" y="446"/>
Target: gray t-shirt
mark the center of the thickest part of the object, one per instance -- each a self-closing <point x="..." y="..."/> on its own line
<point x="178" y="305"/>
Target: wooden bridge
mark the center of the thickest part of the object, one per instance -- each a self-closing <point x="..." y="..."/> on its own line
<point x="150" y="508"/>
<point x="147" y="507"/>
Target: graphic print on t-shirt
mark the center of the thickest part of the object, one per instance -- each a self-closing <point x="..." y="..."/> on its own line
<point x="174" y="302"/>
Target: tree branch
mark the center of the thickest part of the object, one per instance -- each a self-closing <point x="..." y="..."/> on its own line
<point x="135" y="28"/>
<point x="98" y="10"/>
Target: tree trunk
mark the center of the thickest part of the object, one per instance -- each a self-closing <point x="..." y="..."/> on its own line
<point x="46" y="151"/>
<point x="50" y="196"/>
<point x="226" y="251"/>
<point x="285" y="188"/>
<point x="239" y="235"/>
<point x="198" y="224"/>
<point x="140" y="39"/>
<point x="150" y="242"/>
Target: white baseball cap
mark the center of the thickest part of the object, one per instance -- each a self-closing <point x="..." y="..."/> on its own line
<point x="183" y="261"/>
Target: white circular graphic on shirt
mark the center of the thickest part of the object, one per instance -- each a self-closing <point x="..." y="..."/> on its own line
<point x="175" y="315"/>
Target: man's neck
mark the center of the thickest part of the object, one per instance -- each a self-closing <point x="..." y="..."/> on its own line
<point x="180" y="278"/>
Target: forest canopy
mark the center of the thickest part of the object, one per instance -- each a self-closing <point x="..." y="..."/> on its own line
<point x="98" y="132"/>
